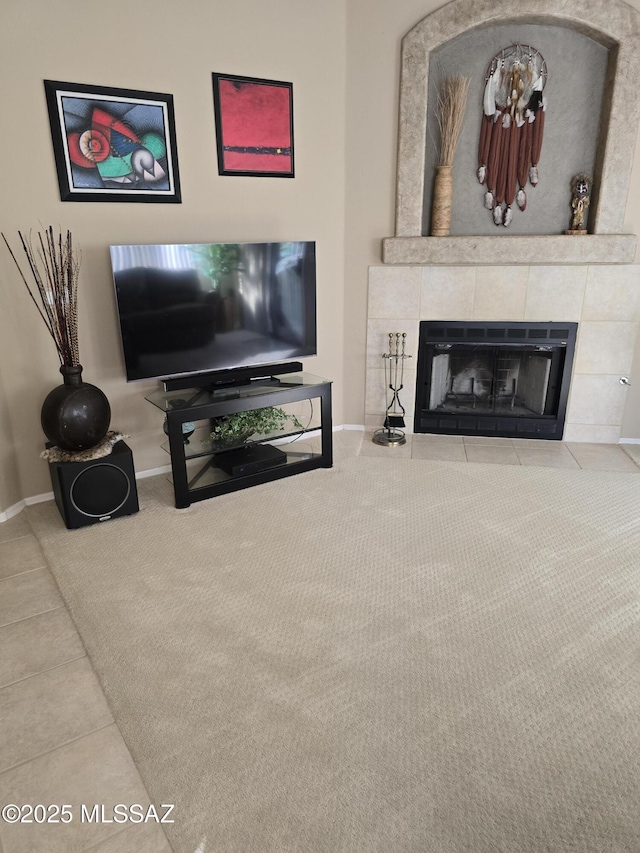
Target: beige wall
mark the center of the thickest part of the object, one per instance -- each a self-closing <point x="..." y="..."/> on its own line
<point x="160" y="47"/>
<point x="343" y="57"/>
<point x="9" y="481"/>
<point x="374" y="32"/>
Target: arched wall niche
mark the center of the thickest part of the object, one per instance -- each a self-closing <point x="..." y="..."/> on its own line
<point x="577" y="70"/>
<point x="615" y="25"/>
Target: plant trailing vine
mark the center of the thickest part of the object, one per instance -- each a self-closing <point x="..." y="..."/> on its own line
<point x="239" y="426"/>
<point x="55" y="269"/>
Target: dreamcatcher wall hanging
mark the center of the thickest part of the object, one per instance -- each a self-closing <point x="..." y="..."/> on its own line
<point x="512" y="128"/>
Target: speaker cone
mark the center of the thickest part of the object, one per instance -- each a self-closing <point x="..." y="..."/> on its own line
<point x="100" y="490"/>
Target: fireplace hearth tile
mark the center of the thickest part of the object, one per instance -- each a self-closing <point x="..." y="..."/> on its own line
<point x="550" y="457"/>
<point x="487" y="439"/>
<point x="445" y="451"/>
<point x="430" y="438"/>
<point x="602" y="457"/>
<point x="544" y="454"/>
<point x="492" y="453"/>
<point x="534" y="444"/>
<point x="632" y="451"/>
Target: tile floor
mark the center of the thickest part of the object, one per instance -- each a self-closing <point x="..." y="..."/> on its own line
<point x="508" y="451"/>
<point x="58" y="740"/>
<point x="59" y="743"/>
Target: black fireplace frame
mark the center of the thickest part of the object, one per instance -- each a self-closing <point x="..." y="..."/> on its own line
<point x="559" y="338"/>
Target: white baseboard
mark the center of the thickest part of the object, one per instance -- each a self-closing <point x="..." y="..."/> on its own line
<point x="39" y="499"/>
<point x="360" y="427"/>
<point x="629" y="441"/>
<point x="12" y="510"/>
<point x="48" y="496"/>
<point x="16" y="508"/>
<point x="152" y="472"/>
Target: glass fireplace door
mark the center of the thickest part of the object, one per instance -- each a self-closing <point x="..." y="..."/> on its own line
<point x="496" y="379"/>
<point x="490" y="379"/>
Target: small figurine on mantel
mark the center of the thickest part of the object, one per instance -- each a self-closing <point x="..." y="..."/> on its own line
<point x="580" y="198"/>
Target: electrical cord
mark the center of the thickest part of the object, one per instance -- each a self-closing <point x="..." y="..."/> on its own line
<point x="304" y="429"/>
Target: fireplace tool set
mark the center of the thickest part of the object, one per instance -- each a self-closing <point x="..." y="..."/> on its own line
<point x="390" y="435"/>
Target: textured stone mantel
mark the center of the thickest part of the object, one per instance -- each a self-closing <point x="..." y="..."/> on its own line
<point x="539" y="249"/>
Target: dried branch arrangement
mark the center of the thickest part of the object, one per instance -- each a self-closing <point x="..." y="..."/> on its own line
<point x="55" y="269"/>
<point x="450" y="109"/>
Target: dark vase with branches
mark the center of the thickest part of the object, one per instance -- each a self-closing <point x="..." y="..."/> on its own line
<point x="75" y="415"/>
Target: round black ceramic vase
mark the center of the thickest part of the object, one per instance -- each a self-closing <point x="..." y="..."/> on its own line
<point x="75" y="415"/>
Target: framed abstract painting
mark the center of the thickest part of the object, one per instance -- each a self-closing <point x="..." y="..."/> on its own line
<point x="113" y="144"/>
<point x="254" y="126"/>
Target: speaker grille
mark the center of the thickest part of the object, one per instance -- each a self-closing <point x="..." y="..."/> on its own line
<point x="100" y="490"/>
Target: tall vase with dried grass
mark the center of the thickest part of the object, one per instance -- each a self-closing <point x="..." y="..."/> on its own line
<point x="75" y="416"/>
<point x="450" y="108"/>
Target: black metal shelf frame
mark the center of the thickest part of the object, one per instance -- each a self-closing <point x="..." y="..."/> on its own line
<point x="303" y="387"/>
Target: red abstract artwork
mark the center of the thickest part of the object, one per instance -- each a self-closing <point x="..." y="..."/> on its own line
<point x="254" y="121"/>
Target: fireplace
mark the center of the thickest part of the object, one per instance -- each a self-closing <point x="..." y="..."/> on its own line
<point x="494" y="379"/>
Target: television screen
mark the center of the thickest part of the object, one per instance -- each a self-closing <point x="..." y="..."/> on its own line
<point x="194" y="308"/>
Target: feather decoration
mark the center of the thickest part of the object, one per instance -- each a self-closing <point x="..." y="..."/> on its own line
<point x="494" y="154"/>
<point x="483" y="149"/>
<point x="489" y="99"/>
<point x="536" y="138"/>
<point x="512" y="127"/>
<point x="524" y="154"/>
<point x="512" y="163"/>
<point x="501" y="182"/>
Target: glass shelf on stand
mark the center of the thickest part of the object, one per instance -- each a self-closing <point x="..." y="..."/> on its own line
<point x="200" y="444"/>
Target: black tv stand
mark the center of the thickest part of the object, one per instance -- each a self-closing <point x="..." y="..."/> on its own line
<point x="229" y="378"/>
<point x="201" y="469"/>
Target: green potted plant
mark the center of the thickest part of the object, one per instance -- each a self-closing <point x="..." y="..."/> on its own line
<point x="232" y="430"/>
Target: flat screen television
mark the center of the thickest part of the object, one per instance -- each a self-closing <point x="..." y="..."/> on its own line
<point x="192" y="309"/>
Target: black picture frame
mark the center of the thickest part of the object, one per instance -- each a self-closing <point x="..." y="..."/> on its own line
<point x="113" y="144"/>
<point x="254" y="126"/>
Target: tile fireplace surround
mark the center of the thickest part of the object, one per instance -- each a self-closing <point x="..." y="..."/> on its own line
<point x="590" y="279"/>
<point x="603" y="299"/>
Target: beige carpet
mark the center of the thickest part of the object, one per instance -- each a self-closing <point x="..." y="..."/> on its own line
<point x="393" y="655"/>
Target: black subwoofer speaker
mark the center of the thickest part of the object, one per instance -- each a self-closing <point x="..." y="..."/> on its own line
<point x="97" y="490"/>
